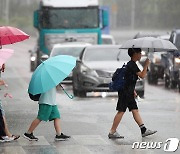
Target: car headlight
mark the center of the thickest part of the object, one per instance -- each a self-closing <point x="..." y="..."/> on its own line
<point x="177" y="60"/>
<point x="143" y="53"/>
<point x="33" y="58"/>
<point x="87" y="71"/>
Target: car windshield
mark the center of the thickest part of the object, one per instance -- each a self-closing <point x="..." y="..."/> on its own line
<point x="105" y="54"/>
<point x="71" y="51"/>
<point x="69" y="18"/>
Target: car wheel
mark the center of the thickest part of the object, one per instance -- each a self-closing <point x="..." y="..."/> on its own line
<point x="150" y="79"/>
<point x="173" y="84"/>
<point x="167" y="81"/>
<point x="81" y="93"/>
<point x="155" y="80"/>
<point x="75" y="92"/>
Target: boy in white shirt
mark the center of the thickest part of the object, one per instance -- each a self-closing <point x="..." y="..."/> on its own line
<point x="48" y="111"/>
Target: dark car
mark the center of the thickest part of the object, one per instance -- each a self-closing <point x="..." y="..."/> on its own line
<point x="171" y="62"/>
<point x="94" y="69"/>
<point x="156" y="68"/>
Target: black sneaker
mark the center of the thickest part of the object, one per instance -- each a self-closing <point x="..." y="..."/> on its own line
<point x="30" y="137"/>
<point x="61" y="137"/>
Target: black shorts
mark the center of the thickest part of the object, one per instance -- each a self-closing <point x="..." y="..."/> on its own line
<point x="125" y="101"/>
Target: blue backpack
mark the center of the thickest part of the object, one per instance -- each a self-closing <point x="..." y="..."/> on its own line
<point x="118" y="79"/>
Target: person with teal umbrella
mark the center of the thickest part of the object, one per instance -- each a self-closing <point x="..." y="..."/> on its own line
<point x="44" y="81"/>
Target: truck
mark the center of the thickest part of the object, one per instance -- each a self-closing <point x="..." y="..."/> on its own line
<point x="59" y="21"/>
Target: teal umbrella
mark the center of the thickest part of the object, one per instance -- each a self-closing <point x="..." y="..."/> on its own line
<point x="50" y="73"/>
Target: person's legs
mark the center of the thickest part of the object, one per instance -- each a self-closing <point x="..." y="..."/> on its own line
<point x="2" y="125"/>
<point x="9" y="136"/>
<point x="59" y="135"/>
<point x="33" y="126"/>
<point x="113" y="134"/>
<point x="116" y="121"/>
<point x="57" y="126"/>
<point x="29" y="135"/>
<point x="137" y="117"/>
<point x="43" y="115"/>
<point x="6" y="128"/>
<point x="144" y="130"/>
<point x="55" y="115"/>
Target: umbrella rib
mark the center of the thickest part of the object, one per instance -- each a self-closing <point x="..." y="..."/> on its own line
<point x="49" y="74"/>
<point x="54" y="67"/>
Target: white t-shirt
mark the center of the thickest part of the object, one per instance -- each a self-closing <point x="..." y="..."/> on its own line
<point x="48" y="97"/>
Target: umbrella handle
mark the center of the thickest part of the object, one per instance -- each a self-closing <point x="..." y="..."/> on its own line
<point x="69" y="95"/>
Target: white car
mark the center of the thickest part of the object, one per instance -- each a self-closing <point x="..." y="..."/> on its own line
<point x="108" y="39"/>
<point x="72" y="49"/>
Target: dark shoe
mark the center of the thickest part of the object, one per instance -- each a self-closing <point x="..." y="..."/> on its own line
<point x="61" y="137"/>
<point x="148" y="132"/>
<point x="15" y="137"/>
<point x="30" y="137"/>
<point x="115" y="136"/>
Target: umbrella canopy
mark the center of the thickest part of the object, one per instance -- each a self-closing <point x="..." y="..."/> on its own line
<point x="150" y="44"/>
<point x="50" y="73"/>
<point x="4" y="55"/>
<point x="10" y="35"/>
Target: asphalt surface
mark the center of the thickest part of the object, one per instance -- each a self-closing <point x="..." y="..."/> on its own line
<point x="86" y="120"/>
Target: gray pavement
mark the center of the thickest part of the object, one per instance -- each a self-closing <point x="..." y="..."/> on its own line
<point x="87" y="120"/>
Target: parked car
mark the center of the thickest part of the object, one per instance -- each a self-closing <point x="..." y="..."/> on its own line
<point x="94" y="69"/>
<point x="156" y="67"/>
<point x="171" y="62"/>
<point x="72" y="49"/>
<point x="108" y="39"/>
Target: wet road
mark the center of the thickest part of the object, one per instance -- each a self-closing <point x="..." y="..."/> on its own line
<point x="87" y="120"/>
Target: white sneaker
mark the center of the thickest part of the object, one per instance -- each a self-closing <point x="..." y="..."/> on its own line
<point x="2" y="140"/>
<point x="115" y="136"/>
<point x="7" y="139"/>
<point x="148" y="132"/>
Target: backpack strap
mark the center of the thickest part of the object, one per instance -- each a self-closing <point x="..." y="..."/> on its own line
<point x="69" y="95"/>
